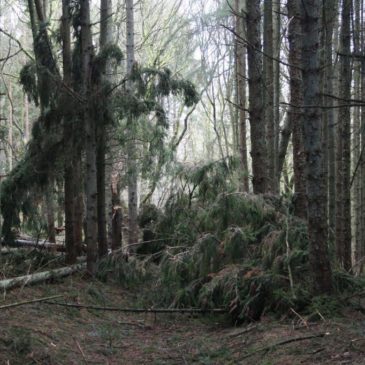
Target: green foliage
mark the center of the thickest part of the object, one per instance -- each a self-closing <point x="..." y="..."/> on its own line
<point x="43" y="155"/>
<point x="154" y="83"/>
<point x="236" y="244"/>
<point x="110" y="53"/>
<point x="129" y="273"/>
<point x="28" y="80"/>
<point x="228" y="249"/>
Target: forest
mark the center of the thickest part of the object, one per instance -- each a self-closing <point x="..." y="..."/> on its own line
<point x="182" y="182"/>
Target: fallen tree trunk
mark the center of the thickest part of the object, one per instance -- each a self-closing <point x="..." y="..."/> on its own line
<point x="40" y="277"/>
<point x="140" y="310"/>
<point x="37" y="244"/>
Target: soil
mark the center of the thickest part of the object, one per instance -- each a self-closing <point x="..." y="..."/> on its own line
<point x="42" y="333"/>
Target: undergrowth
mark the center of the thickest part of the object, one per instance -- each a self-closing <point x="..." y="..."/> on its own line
<point x="247" y="254"/>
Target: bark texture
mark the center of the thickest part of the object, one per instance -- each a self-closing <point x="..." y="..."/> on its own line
<point x="295" y="113"/>
<point x="256" y="108"/>
<point x="317" y="225"/>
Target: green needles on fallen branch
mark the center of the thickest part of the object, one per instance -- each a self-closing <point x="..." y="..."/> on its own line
<point x="140" y="310"/>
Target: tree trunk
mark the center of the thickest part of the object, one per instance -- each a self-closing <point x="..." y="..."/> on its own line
<point x="106" y="32"/>
<point x="329" y="22"/>
<point x="362" y="162"/>
<point x="318" y="251"/>
<point x="295" y="113"/>
<point x="10" y="128"/>
<point x="60" y="203"/>
<point x="240" y="61"/>
<point x="50" y="209"/>
<point x="68" y="126"/>
<point x="40" y="277"/>
<point x="268" y="68"/>
<point x="91" y="238"/>
<point x="256" y="111"/>
<point x="277" y="88"/>
<point x="356" y="132"/>
<point x="131" y="148"/>
<point x="117" y="214"/>
<point x="343" y="196"/>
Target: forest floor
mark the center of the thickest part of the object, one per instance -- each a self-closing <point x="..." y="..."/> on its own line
<point x="41" y="333"/>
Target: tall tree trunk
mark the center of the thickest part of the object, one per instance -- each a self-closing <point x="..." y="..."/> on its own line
<point x="68" y="125"/>
<point x="268" y="68"/>
<point x="10" y="128"/>
<point x="90" y="140"/>
<point x="356" y="132"/>
<point x="240" y="61"/>
<point x="362" y="162"/>
<point x="131" y="148"/>
<point x="106" y="32"/>
<point x="277" y="88"/>
<point x="295" y="113"/>
<point x="343" y="196"/>
<point x="256" y="111"/>
<point x="318" y="251"/>
<point x="78" y="192"/>
<point x="330" y="74"/>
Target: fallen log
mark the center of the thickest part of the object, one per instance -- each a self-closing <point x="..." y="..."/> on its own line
<point x="37" y="244"/>
<point x="40" y="276"/>
<point x="140" y="310"/>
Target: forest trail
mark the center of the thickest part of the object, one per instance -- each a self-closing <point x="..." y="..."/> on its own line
<point x="41" y="333"/>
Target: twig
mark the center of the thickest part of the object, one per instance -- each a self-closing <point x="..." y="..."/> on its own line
<point x="284" y="342"/>
<point x="246" y="330"/>
<point x="304" y="321"/>
<point x="29" y="302"/>
<point x="140" y="310"/>
<point x="82" y="352"/>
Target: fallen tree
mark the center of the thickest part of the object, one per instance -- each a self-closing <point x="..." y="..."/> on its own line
<point x="37" y="244"/>
<point x="40" y="277"/>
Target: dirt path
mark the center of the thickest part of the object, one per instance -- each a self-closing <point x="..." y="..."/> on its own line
<point x="46" y="334"/>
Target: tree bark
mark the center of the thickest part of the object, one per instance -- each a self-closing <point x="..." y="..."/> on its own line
<point x="256" y="110"/>
<point x="131" y="148"/>
<point x="330" y="14"/>
<point x="268" y="68"/>
<point x="68" y="125"/>
<point x="90" y="140"/>
<point x="356" y="132"/>
<point x="343" y="196"/>
<point x="317" y="230"/>
<point x="117" y="214"/>
<point x="240" y="61"/>
<point x="277" y="89"/>
<point x="50" y="209"/>
<point x="295" y="113"/>
<point x="10" y="128"/>
<point x="106" y="32"/>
